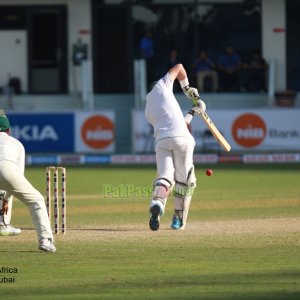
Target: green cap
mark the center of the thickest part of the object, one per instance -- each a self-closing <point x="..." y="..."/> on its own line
<point x="4" y="123"/>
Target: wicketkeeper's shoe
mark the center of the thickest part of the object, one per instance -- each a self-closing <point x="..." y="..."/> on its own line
<point x="47" y="245"/>
<point x="154" y="220"/>
<point x="176" y="222"/>
<point x="8" y="230"/>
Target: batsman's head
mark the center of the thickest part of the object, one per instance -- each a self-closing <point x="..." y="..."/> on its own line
<point x="4" y="122"/>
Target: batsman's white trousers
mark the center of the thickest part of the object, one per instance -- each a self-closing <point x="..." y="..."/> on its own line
<point x="15" y="183"/>
<point x="174" y="158"/>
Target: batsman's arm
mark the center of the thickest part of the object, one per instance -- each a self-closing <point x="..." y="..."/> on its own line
<point x="189" y="116"/>
<point x="178" y="72"/>
<point x="188" y="119"/>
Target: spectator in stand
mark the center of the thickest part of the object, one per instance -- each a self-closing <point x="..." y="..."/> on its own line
<point x="254" y="73"/>
<point x="229" y="67"/>
<point x="204" y="68"/>
<point x="147" y="52"/>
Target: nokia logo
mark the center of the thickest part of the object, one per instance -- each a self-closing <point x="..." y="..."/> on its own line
<point x="34" y="133"/>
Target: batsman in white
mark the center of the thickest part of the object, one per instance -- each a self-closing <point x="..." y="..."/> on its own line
<point x="5" y="216"/>
<point x="13" y="181"/>
<point x="174" y="147"/>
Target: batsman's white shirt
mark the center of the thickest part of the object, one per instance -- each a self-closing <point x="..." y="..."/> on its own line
<point x="174" y="143"/>
<point x="163" y="111"/>
<point x="13" y="181"/>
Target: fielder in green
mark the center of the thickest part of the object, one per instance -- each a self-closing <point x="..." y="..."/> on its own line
<point x="13" y="181"/>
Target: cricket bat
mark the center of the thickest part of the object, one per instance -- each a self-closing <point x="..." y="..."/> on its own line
<point x="213" y="129"/>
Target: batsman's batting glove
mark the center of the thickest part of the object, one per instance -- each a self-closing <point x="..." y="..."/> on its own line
<point x="191" y="92"/>
<point x="200" y="104"/>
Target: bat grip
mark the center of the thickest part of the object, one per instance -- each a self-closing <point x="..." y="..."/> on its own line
<point x="195" y="100"/>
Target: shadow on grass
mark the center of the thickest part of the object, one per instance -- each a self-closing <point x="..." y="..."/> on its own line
<point x="249" y="286"/>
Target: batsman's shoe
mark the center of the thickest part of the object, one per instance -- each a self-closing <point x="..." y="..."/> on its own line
<point x="160" y="204"/>
<point x="9" y="230"/>
<point x="47" y="245"/>
<point x="176" y="222"/>
<point x="154" y="220"/>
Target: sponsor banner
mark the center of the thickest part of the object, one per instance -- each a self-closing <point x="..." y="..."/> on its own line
<point x="70" y="159"/>
<point x="230" y="158"/>
<point x="206" y="158"/>
<point x="66" y="159"/>
<point x="97" y="159"/>
<point x="245" y="130"/>
<point x="95" y="132"/>
<point x="141" y="134"/>
<point x="40" y="133"/>
<point x="271" y="158"/>
<point x="79" y="132"/>
<point x="261" y="129"/>
<point x="132" y="159"/>
<point x="150" y="159"/>
<point x="41" y="160"/>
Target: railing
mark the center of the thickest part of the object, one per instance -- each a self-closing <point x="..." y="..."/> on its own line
<point x="140" y="82"/>
<point x="271" y="82"/>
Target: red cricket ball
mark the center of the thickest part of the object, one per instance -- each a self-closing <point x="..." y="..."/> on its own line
<point x="209" y="172"/>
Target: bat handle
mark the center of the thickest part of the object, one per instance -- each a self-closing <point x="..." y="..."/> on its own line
<point x="198" y="110"/>
<point x="189" y="116"/>
<point x="195" y="100"/>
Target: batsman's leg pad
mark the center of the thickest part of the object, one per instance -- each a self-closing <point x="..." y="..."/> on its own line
<point x="178" y="203"/>
<point x="187" y="203"/>
<point x="183" y="189"/>
<point x="183" y="195"/>
<point x="191" y="180"/>
<point x="161" y="191"/>
<point x="162" y="188"/>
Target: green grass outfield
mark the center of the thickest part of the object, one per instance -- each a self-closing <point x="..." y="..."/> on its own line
<point x="242" y="240"/>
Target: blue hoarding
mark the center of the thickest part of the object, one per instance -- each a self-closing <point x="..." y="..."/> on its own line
<point x="42" y="132"/>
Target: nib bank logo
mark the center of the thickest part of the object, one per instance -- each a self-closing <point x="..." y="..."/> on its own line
<point x="98" y="132"/>
<point x="249" y="130"/>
